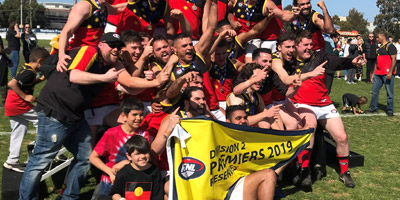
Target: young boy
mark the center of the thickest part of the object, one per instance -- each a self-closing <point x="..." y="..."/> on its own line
<point x="111" y="145"/>
<point x="140" y="179"/>
<point x="19" y="106"/>
<point x="351" y="100"/>
<point x="255" y="108"/>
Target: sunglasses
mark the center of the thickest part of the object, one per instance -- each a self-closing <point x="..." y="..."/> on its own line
<point x="113" y="45"/>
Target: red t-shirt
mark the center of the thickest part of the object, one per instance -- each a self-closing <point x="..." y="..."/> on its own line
<point x="111" y="147"/>
<point x="226" y="74"/>
<point x="15" y="105"/>
<point x="107" y="96"/>
<point x="313" y="92"/>
<point x="384" y="60"/>
<point x="209" y="92"/>
<point x="151" y="123"/>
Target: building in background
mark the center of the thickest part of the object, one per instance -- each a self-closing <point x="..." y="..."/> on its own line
<point x="57" y="14"/>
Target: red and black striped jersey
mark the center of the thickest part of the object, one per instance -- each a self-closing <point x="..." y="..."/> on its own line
<point x="91" y="29"/>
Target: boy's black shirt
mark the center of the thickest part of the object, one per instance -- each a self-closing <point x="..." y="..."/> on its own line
<point x="129" y="179"/>
<point x="26" y="79"/>
<point x="351" y="99"/>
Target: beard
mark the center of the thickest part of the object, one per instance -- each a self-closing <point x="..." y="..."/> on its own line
<point x="196" y="109"/>
<point x="305" y="15"/>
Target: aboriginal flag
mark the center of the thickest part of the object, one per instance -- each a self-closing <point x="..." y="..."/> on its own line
<point x="138" y="190"/>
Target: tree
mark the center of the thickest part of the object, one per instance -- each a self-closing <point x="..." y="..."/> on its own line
<point x="388" y="18"/>
<point x="336" y="20"/>
<point x="354" y="21"/>
<point x="10" y="12"/>
<point x="286" y="25"/>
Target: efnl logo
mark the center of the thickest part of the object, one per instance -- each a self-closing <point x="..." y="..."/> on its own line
<point x="191" y="168"/>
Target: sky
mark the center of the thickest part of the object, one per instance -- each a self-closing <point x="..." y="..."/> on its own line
<point x="335" y="7"/>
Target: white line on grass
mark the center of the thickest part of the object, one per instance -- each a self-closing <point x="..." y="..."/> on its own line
<point x="366" y="115"/>
<point x="8" y="133"/>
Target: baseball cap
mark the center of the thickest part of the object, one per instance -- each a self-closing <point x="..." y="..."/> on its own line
<point x="112" y="38"/>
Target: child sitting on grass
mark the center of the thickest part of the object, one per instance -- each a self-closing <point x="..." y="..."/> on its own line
<point x="19" y="105"/>
<point x="140" y="179"/>
<point x="111" y="145"/>
<point x="351" y="100"/>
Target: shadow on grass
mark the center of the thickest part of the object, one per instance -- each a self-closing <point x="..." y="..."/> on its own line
<point x="381" y="107"/>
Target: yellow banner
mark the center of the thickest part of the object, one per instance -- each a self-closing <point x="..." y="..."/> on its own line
<point x="207" y="157"/>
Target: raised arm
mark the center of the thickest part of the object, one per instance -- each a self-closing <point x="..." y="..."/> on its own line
<point x="16" y="29"/>
<point x="116" y="9"/>
<point x="206" y="9"/>
<point x="185" y="25"/>
<point x="77" y="15"/>
<point x="256" y="77"/>
<point x="284" y="15"/>
<point x="220" y="37"/>
<point x="168" y="23"/>
<point x="324" y="22"/>
<point x="203" y="46"/>
<point x="138" y="66"/>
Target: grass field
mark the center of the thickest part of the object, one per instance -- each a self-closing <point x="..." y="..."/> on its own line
<point x="376" y="137"/>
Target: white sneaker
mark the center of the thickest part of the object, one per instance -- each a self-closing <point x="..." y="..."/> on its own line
<point x="359" y="79"/>
<point x="345" y="78"/>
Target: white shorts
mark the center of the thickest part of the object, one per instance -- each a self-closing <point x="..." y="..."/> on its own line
<point x="95" y="116"/>
<point x="258" y="43"/>
<point x="237" y="192"/>
<point x="194" y="42"/>
<point x="222" y="104"/>
<point x="321" y="112"/>
<point x="147" y="107"/>
<point x="219" y="115"/>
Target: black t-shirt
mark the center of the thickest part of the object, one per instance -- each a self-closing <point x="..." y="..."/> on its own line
<point x="198" y="64"/>
<point x="66" y="101"/>
<point x="387" y="49"/>
<point x="29" y="41"/>
<point x="13" y="42"/>
<point x="350" y="99"/>
<point x="26" y="79"/>
<point x="369" y="48"/>
<point x="147" y="183"/>
<point x="1" y="43"/>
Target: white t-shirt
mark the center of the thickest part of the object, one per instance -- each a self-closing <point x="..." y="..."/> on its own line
<point x="346" y="50"/>
<point x="397" y="45"/>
